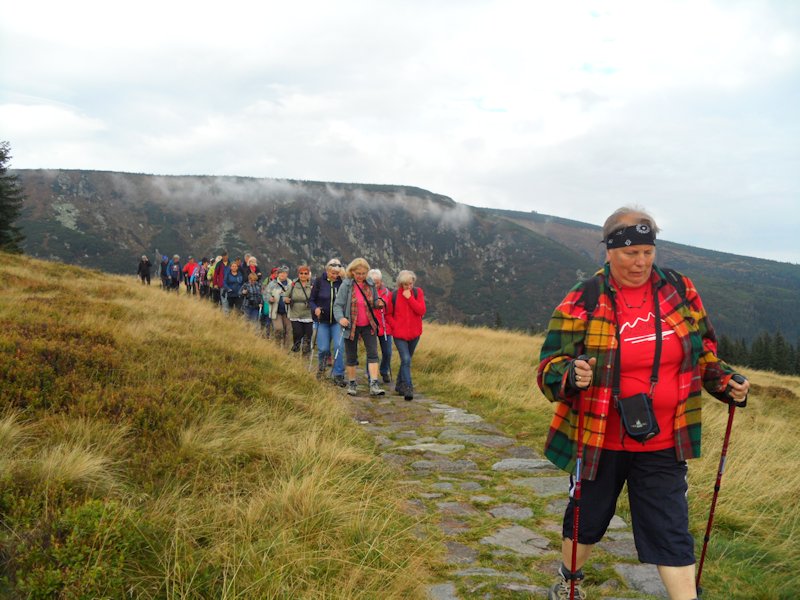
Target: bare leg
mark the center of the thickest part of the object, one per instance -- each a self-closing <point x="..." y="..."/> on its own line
<point x="679" y="581"/>
<point x="584" y="550"/>
<point x="373" y="371"/>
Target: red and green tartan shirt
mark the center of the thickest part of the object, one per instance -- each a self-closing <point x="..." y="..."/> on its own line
<point x="572" y="332"/>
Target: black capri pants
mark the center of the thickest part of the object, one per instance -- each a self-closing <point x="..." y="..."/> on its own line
<point x="370" y="344"/>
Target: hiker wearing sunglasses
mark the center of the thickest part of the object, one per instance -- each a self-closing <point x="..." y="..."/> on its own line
<point x="624" y="359"/>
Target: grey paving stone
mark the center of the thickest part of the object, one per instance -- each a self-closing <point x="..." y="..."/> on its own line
<point x="545" y="486"/>
<point x="460" y="554"/>
<point x="470" y="486"/>
<point x="443" y="591"/>
<point x="462" y="417"/>
<point x="642" y="578"/>
<point x="619" y="548"/>
<point x="445" y="466"/>
<point x="513" y="512"/>
<point x="619" y="535"/>
<point x="453" y="526"/>
<point x="487" y="441"/>
<point x="395" y="459"/>
<point x="481" y="499"/>
<point x="617" y="523"/>
<point x="430" y="495"/>
<point x="487" y="572"/>
<point x="521" y="452"/>
<point x="535" y="590"/>
<point x="406" y="435"/>
<point x="519" y="539"/>
<point x="443" y="486"/>
<point x="431" y="447"/>
<point x="457" y="509"/>
<point x="525" y="465"/>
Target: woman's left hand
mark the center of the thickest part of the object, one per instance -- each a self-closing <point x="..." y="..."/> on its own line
<point x="583" y="372"/>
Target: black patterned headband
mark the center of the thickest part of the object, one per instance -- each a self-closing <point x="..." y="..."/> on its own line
<point x="633" y="235"/>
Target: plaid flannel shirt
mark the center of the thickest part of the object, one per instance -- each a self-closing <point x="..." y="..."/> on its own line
<point x="572" y="332"/>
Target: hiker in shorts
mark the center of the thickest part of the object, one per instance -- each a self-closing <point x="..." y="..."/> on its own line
<point x="637" y="338"/>
<point x="354" y="309"/>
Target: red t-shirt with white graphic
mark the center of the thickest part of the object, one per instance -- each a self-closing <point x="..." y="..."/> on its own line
<point x="637" y="334"/>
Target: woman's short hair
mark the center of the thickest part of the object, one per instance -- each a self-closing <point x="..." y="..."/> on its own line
<point x="622" y="217"/>
<point x="375" y="274"/>
<point x="357" y="263"/>
<point x="253" y="276"/>
<point x="406" y="276"/>
<point x="303" y="267"/>
<point x="334" y="261"/>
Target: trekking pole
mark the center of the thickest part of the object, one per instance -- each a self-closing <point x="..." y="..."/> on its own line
<point x="732" y="404"/>
<point x="313" y="341"/>
<point x="339" y="345"/>
<point x="576" y="495"/>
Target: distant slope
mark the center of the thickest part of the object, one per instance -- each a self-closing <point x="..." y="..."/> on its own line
<point x="478" y="266"/>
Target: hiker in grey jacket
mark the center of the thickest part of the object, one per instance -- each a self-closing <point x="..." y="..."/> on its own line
<point x="354" y="309"/>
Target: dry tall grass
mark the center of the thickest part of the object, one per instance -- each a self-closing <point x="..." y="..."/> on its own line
<point x="154" y="440"/>
<point x="755" y="546"/>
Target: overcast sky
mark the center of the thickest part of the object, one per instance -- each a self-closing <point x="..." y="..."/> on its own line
<point x="688" y="108"/>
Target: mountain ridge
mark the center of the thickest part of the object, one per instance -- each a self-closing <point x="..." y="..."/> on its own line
<point x="480" y="266"/>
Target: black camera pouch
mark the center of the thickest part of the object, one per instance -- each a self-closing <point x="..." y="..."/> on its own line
<point x="637" y="417"/>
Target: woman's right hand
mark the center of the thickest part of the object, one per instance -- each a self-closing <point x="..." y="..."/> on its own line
<point x="344" y="322"/>
<point x="583" y="372"/>
<point x="318" y="311"/>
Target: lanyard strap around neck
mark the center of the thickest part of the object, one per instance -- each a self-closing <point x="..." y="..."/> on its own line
<point x="615" y="390"/>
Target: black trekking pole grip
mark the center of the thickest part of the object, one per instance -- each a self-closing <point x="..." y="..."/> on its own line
<point x="738" y="379"/>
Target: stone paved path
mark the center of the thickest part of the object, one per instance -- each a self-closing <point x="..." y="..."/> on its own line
<point x="497" y="502"/>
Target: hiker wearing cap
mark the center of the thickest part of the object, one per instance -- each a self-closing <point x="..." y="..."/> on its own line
<point x="354" y="309"/>
<point x="323" y="295"/>
<point x="405" y="310"/>
<point x="278" y="312"/>
<point x="299" y="310"/>
<point x="384" y="331"/>
<point x="624" y="361"/>
<point x="144" y="270"/>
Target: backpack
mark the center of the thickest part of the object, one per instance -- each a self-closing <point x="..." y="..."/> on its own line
<point x="591" y="289"/>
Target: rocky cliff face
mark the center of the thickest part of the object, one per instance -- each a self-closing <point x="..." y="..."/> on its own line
<point x="477" y="266"/>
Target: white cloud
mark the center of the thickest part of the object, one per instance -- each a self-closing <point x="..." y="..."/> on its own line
<point x="564" y="107"/>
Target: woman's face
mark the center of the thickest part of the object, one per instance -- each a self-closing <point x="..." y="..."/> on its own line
<point x="631" y="266"/>
<point x="282" y="276"/>
<point x="234" y="268"/>
<point x="407" y="285"/>
<point x="360" y="274"/>
<point x="304" y="275"/>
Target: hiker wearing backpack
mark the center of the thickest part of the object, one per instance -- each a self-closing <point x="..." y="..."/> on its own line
<point x="323" y="296"/>
<point x="234" y="280"/>
<point x="405" y="310"/>
<point x="278" y="310"/>
<point x="354" y="309"/>
<point x="175" y="273"/>
<point x="144" y="270"/>
<point x="298" y="300"/>
<point x="624" y="359"/>
<point x="253" y="301"/>
<point x="384" y="331"/>
<point x="218" y="281"/>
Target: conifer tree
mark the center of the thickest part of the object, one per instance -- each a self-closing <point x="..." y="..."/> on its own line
<point x="11" y="197"/>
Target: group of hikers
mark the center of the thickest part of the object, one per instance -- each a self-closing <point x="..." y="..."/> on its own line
<point x="624" y="359"/>
<point x="330" y="312"/>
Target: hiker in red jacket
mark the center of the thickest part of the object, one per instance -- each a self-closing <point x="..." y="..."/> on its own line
<point x="404" y="314"/>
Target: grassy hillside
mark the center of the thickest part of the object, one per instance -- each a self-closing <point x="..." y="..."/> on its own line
<point x="755" y="546"/>
<point x="151" y="448"/>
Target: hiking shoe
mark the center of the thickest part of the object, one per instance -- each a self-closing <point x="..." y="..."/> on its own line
<point x="408" y="393"/>
<point x="339" y="380"/>
<point x="387" y="378"/>
<point x="352" y="388"/>
<point x="560" y="589"/>
<point x="400" y="390"/>
<point x="375" y="388"/>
